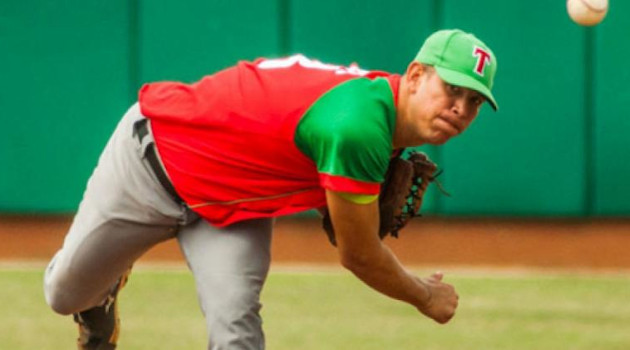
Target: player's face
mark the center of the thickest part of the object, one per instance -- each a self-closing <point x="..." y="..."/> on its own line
<point x="439" y="110"/>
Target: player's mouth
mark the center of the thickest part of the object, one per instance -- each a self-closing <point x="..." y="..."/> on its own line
<point x="448" y="125"/>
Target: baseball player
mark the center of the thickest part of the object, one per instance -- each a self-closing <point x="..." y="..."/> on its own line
<point x="212" y="163"/>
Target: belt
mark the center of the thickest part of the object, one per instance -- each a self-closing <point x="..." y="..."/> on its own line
<point x="140" y="130"/>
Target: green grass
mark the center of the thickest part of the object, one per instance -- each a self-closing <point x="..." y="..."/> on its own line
<point x="333" y="310"/>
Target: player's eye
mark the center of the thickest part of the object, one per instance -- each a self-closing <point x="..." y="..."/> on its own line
<point x="477" y="100"/>
<point x="453" y="89"/>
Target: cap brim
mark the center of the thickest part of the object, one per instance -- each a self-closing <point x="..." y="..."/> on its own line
<point x="460" y="79"/>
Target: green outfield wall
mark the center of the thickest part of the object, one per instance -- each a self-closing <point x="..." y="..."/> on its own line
<point x="557" y="147"/>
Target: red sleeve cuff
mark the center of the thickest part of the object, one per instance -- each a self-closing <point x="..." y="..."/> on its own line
<point x="344" y="184"/>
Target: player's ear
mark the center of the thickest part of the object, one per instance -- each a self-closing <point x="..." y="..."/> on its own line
<point x="414" y="73"/>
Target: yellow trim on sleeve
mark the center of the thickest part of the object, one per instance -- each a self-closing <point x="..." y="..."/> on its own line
<point x="358" y="198"/>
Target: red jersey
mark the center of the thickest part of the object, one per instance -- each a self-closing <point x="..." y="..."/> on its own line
<point x="228" y="141"/>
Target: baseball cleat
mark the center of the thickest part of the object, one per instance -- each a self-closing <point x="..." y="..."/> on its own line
<point x="99" y="326"/>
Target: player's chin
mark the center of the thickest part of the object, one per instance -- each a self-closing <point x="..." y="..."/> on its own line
<point x="439" y="138"/>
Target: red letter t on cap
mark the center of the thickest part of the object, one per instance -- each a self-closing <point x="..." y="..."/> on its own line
<point x="483" y="59"/>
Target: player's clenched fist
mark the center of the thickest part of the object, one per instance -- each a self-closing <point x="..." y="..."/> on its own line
<point x="442" y="299"/>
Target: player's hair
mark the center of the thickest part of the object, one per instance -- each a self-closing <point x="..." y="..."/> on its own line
<point x="428" y="68"/>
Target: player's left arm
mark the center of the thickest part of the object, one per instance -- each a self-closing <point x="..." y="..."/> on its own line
<point x="362" y="252"/>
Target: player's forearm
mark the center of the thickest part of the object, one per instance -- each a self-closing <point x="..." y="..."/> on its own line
<point x="384" y="273"/>
<point x="362" y="252"/>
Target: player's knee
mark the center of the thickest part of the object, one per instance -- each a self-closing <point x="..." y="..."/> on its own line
<point x="235" y="315"/>
<point x="59" y="297"/>
<point x="59" y="301"/>
<point x="239" y="329"/>
<point x="235" y="324"/>
<point x="54" y="293"/>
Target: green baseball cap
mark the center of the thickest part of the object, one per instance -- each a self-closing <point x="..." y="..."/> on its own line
<point x="461" y="59"/>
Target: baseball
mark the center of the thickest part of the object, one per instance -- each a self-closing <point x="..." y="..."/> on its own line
<point x="587" y="12"/>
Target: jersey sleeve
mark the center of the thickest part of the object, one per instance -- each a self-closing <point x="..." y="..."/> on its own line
<point x="359" y="198"/>
<point x="348" y="134"/>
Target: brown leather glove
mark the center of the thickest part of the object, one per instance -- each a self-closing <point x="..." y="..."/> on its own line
<point x="406" y="181"/>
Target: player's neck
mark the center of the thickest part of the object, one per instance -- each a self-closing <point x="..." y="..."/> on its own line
<point x="404" y="134"/>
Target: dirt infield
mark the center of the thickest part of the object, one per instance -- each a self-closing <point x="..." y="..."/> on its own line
<point x="430" y="241"/>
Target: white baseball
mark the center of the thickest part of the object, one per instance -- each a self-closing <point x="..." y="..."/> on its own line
<point x="587" y="12"/>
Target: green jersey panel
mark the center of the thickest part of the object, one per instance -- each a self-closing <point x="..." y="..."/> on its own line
<point x="348" y="131"/>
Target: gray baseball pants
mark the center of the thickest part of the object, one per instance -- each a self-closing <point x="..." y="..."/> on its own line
<point x="125" y="211"/>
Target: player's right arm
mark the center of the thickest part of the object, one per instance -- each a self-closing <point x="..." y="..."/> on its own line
<point x="363" y="253"/>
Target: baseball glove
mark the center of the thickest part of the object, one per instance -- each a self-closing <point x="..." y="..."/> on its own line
<point x="406" y="181"/>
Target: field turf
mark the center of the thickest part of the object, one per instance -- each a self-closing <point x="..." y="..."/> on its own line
<point x="329" y="309"/>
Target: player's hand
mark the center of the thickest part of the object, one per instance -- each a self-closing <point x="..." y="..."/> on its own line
<point x="442" y="300"/>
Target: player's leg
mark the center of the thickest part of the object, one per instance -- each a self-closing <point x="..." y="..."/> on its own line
<point x="96" y="253"/>
<point x="230" y="266"/>
<point x="124" y="212"/>
<point x="86" y="280"/>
